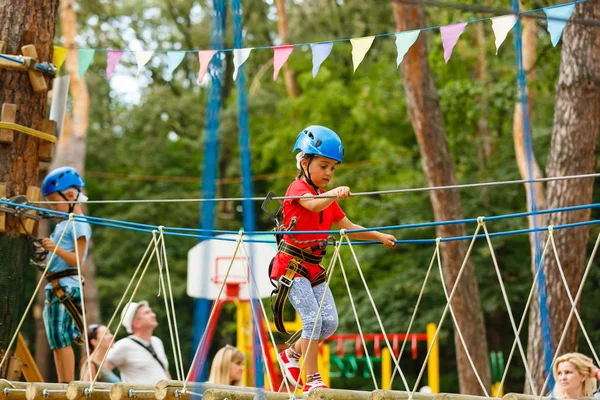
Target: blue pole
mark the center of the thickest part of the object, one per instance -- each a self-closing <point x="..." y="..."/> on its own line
<point x="247" y="190"/>
<point x="544" y="315"/>
<point x="209" y="172"/>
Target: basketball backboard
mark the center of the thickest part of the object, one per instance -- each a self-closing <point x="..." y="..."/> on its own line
<point x="209" y="261"/>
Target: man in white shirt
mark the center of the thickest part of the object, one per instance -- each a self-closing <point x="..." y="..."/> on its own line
<point x="140" y="356"/>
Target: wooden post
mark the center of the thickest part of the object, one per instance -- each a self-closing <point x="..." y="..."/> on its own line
<point x="14" y="369"/>
<point x="2" y="214"/>
<point x="77" y="391"/>
<point x="51" y="391"/>
<point x="33" y="194"/>
<point x="338" y="394"/>
<point x="15" y="390"/>
<point x="122" y="391"/>
<point x="234" y="394"/>
<point x="30" y="369"/>
<point x="165" y="390"/>
<point x="37" y="79"/>
<point x="9" y="114"/>
<point x="46" y="150"/>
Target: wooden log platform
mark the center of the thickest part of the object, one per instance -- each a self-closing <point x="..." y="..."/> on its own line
<point x="42" y="390"/>
<point x="12" y="390"/>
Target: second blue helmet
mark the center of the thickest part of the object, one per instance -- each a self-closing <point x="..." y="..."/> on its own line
<point x="61" y="179"/>
<point x="320" y="141"/>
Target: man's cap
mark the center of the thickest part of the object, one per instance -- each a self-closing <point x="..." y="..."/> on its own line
<point x="129" y="312"/>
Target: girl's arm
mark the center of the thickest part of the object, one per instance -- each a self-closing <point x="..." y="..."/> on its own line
<point x="319" y="204"/>
<point x="69" y="256"/>
<point x="387" y="240"/>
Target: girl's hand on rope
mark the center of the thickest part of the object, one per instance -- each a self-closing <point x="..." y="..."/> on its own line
<point x="342" y="192"/>
<point x="48" y="244"/>
<point x="388" y="240"/>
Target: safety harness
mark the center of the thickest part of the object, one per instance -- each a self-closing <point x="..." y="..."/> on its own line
<point x="72" y="308"/>
<point x="279" y="295"/>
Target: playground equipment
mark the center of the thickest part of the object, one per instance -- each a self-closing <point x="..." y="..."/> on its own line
<point x="356" y="365"/>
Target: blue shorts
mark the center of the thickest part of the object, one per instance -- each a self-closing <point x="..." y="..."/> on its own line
<point x="60" y="327"/>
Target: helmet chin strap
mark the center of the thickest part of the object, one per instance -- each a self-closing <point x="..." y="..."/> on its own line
<point x="71" y="205"/>
<point x="306" y="174"/>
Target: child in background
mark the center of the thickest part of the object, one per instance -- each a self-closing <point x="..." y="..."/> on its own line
<point x="297" y="264"/>
<point x="62" y="309"/>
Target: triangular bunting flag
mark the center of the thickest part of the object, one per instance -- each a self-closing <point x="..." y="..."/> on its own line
<point x="174" y="58"/>
<point x="280" y="56"/>
<point x="450" y="35"/>
<point x="60" y="54"/>
<point x="320" y="52"/>
<point x="404" y="41"/>
<point x="239" y="58"/>
<point x="557" y="19"/>
<point x="204" y="56"/>
<point x="360" y="46"/>
<point x="85" y="57"/>
<point x="112" y="59"/>
<point x="142" y="58"/>
<point x="501" y="26"/>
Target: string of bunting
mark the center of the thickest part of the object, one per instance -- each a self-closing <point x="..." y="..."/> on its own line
<point x="557" y="17"/>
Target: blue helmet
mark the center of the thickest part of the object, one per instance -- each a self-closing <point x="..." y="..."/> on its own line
<point x="61" y="179"/>
<point x="320" y="141"/>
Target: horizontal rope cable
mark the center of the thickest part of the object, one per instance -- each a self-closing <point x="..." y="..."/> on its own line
<point x="372" y="193"/>
<point x="177" y="231"/>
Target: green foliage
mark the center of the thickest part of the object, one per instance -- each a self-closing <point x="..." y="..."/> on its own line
<point x="141" y="149"/>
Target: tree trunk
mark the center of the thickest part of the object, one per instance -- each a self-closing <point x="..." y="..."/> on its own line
<point x="426" y="117"/>
<point x="573" y="151"/>
<point x="22" y="23"/>
<point x="71" y="149"/>
<point x="291" y="85"/>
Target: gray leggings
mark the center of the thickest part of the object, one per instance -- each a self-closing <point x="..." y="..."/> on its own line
<point x="306" y="301"/>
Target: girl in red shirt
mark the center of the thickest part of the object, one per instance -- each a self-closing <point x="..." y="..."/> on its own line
<point x="320" y="150"/>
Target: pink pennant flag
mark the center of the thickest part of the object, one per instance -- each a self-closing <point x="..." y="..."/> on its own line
<point x="112" y="59"/>
<point x="204" y="57"/>
<point x="280" y="56"/>
<point x="450" y="35"/>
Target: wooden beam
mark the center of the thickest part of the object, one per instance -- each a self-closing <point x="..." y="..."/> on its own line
<point x="15" y="390"/>
<point x="2" y="214"/>
<point x="46" y="150"/>
<point x="77" y="391"/>
<point x="37" y="79"/>
<point x="30" y="369"/>
<point x="36" y="391"/>
<point x="34" y="193"/>
<point x="121" y="391"/>
<point x="9" y="114"/>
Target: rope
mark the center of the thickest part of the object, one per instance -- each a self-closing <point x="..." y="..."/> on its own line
<point x="458" y="330"/>
<point x="573" y="308"/>
<point x="212" y="312"/>
<point x="154" y="241"/>
<point x="344" y="234"/>
<point x="568" y="290"/>
<point x="360" y="332"/>
<point x="330" y="269"/>
<point x="439" y="327"/>
<point x="121" y="301"/>
<point x="252" y="284"/>
<point x="29" y="131"/>
<point x="510" y="314"/>
<point x="85" y="326"/>
<point x="264" y="314"/>
<point x="412" y="318"/>
<point x="358" y="194"/>
<point x="175" y="231"/>
<point x="12" y="341"/>
<point x="168" y="299"/>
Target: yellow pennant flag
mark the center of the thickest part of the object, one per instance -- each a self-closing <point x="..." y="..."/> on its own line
<point x="360" y="46"/>
<point x="60" y="54"/>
